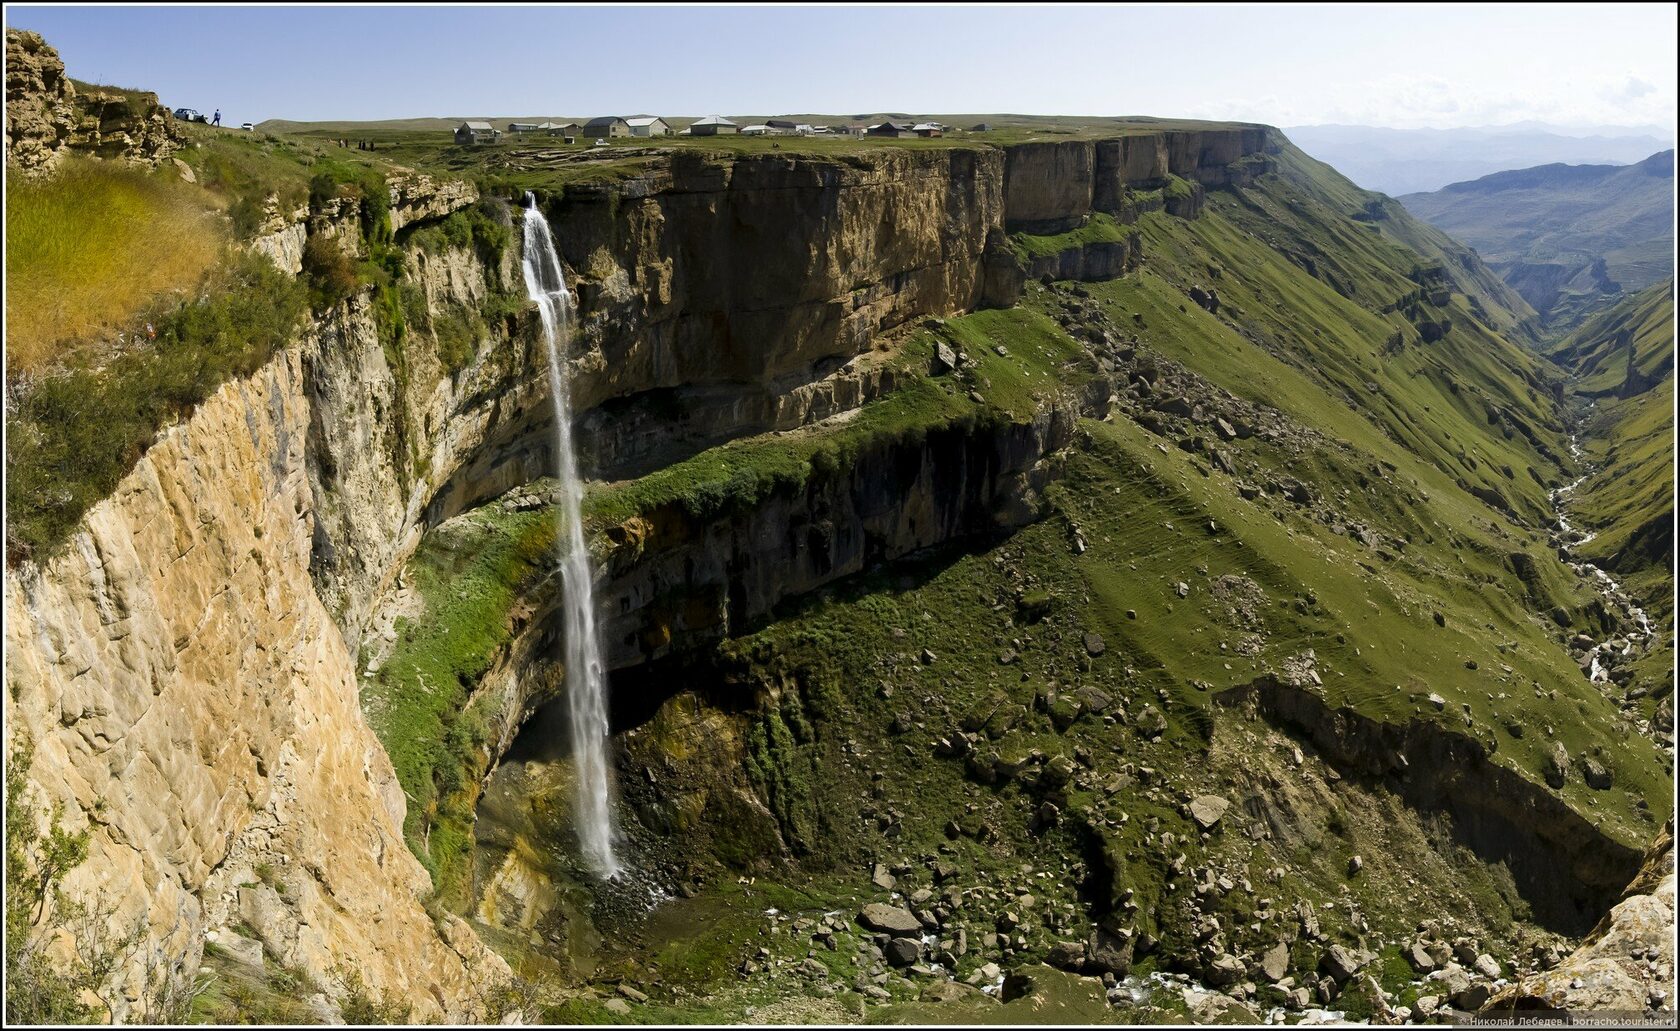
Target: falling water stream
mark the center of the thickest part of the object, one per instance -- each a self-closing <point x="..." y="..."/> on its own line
<point x="586" y="682"/>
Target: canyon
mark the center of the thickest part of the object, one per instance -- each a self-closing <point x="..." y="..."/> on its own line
<point x="958" y="516"/>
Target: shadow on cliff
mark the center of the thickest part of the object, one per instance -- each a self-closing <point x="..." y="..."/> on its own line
<point x="636" y="693"/>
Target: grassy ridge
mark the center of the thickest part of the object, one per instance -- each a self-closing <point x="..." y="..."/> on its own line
<point x="89" y="251"/>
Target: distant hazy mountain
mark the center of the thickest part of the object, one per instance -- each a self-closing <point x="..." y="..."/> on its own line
<point x="1569" y="238"/>
<point x="1397" y="161"/>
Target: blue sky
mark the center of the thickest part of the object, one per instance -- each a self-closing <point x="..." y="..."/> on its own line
<point x="1398" y="66"/>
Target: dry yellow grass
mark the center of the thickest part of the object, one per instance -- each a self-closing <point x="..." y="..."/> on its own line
<point x="90" y="248"/>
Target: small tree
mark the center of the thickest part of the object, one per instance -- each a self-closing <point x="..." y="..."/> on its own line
<point x="46" y="988"/>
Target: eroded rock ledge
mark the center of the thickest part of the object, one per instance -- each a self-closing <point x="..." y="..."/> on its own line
<point x="1566" y="868"/>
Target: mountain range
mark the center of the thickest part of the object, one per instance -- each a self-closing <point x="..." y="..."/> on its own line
<point x="1398" y="161"/>
<point x="1569" y="238"/>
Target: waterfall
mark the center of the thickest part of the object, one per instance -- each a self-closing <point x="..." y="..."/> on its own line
<point x="586" y="681"/>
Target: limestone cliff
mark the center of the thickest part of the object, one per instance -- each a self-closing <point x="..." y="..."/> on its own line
<point x="47" y="115"/>
<point x="192" y="703"/>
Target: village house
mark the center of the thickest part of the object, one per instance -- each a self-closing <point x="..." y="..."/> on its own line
<point x="893" y="129"/>
<point x="713" y="125"/>
<point x="520" y="128"/>
<point x="928" y="129"/>
<point x="982" y="127"/>
<point x="601" y="128"/>
<point x="648" y="127"/>
<point x="473" y="133"/>
<point x="567" y="129"/>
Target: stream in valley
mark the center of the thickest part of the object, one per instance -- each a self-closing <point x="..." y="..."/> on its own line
<point x="1598" y="660"/>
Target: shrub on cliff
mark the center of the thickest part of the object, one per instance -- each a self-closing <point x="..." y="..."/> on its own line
<point x="61" y="952"/>
<point x="478" y="227"/>
<point x="331" y="273"/>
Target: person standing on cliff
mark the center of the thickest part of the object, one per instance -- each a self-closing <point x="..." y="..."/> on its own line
<point x="218" y="119"/>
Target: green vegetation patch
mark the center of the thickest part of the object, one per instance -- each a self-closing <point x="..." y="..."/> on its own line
<point x="74" y="436"/>
<point x="1101" y="228"/>
<point x="417" y="702"/>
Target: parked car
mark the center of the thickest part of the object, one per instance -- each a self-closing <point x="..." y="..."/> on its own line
<point x="247" y="126"/>
<point x="187" y="114"/>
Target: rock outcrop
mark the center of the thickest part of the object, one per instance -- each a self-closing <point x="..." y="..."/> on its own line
<point x="1626" y="965"/>
<point x="1052" y="187"/>
<point x="40" y="103"/>
<point x="1566" y="867"/>
<point x="671" y="583"/>
<point x="48" y="117"/>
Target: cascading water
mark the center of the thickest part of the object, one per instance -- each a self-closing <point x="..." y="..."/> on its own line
<point x="586" y="682"/>
<point x="1569" y="538"/>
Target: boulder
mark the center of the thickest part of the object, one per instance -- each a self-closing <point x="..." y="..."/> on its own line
<point x="1595" y="774"/>
<point x="1419" y="958"/>
<point x="1016" y="984"/>
<point x="1225" y="971"/>
<point x="1067" y="955"/>
<point x="878" y="916"/>
<point x="1339" y="964"/>
<point x="1207" y="810"/>
<point x="1556" y="767"/>
<point x="944" y="358"/>
<point x="1274" y="964"/>
<point x="902" y="952"/>
<point x="1472" y="998"/>
<point x="1110" y="953"/>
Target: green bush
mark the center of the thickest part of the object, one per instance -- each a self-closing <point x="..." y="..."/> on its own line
<point x="330" y="272"/>
<point x="479" y="227"/>
<point x="338" y="179"/>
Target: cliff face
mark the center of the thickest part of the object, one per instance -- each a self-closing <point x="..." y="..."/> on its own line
<point x="183" y="672"/>
<point x="671" y="584"/>
<point x="1051" y="187"/>
<point x="194" y="705"/>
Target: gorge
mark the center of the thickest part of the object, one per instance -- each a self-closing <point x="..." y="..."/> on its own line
<point x="1102" y="575"/>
